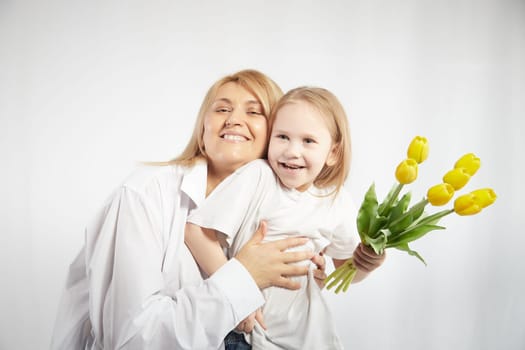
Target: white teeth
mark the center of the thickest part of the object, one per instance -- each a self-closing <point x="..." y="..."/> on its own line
<point x="233" y="137"/>
<point x="290" y="166"/>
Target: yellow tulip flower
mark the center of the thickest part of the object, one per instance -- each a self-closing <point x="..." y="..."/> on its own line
<point x="406" y="171"/>
<point x="466" y="205"/>
<point x="469" y="162"/>
<point x="484" y="197"/>
<point x="418" y="149"/>
<point x="457" y="178"/>
<point x="440" y="194"/>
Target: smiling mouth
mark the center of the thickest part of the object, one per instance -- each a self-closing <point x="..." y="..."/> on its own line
<point x="235" y="138"/>
<point x="291" y="166"/>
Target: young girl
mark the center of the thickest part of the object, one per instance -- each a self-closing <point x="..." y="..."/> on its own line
<point x="309" y="153"/>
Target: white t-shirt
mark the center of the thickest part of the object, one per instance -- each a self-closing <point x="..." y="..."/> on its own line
<point x="295" y="319"/>
<point x="135" y="285"/>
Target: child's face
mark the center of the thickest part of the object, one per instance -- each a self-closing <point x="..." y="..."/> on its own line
<point x="300" y="145"/>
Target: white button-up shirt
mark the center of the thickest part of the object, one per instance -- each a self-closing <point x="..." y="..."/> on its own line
<point x="135" y="285"/>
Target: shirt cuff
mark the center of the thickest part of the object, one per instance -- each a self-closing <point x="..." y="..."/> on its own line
<point x="240" y="289"/>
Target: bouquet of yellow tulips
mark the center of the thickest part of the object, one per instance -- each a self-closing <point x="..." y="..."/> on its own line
<point x="392" y="224"/>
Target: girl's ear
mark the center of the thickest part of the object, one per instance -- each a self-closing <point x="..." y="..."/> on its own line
<point x="331" y="160"/>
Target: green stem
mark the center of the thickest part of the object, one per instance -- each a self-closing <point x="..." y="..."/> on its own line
<point x="391" y="199"/>
<point x="434" y="217"/>
<point x="412" y="210"/>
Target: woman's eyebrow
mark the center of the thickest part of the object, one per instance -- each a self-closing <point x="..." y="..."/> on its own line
<point x="223" y="99"/>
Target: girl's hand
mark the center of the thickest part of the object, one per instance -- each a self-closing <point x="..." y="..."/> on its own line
<point x="319" y="273"/>
<point x="366" y="260"/>
<point x="248" y="323"/>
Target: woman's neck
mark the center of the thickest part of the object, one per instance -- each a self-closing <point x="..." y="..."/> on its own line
<point x="215" y="177"/>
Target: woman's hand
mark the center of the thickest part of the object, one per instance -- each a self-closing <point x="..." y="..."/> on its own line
<point x="248" y="323"/>
<point x="269" y="264"/>
<point x="319" y="273"/>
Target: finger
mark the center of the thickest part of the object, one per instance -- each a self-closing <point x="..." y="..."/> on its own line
<point x="249" y="323"/>
<point x="287" y="283"/>
<point x="290" y="242"/>
<point x="291" y="257"/>
<point x="368" y="251"/>
<point x="294" y="270"/>
<point x="319" y="261"/>
<point x="319" y="278"/>
<point x="363" y="266"/>
<point x="260" y="318"/>
<point x="319" y="274"/>
<point x="258" y="236"/>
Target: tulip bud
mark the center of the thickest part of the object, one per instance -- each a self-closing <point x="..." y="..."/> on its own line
<point x="418" y="149"/>
<point x="440" y="194"/>
<point x="457" y="178"/>
<point x="469" y="162"/>
<point x="484" y="197"/>
<point x="466" y="205"/>
<point x="406" y="171"/>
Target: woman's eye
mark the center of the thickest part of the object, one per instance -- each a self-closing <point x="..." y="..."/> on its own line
<point x="255" y="112"/>
<point x="223" y="110"/>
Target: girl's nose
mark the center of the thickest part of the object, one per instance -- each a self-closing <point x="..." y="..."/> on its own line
<point x="293" y="150"/>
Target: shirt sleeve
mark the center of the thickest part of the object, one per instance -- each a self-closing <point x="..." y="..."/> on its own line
<point x="227" y="208"/>
<point x="344" y="238"/>
<point x="129" y="305"/>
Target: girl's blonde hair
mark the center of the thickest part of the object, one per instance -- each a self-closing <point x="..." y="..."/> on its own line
<point x="337" y="123"/>
<point x="261" y="86"/>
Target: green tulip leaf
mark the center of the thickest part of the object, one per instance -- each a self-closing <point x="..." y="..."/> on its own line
<point x="401" y="224"/>
<point x="413" y="233"/>
<point x="391" y="198"/>
<point x="400" y="207"/>
<point x="377" y="243"/>
<point x="367" y="211"/>
<point x="376" y="224"/>
<point x="406" y="248"/>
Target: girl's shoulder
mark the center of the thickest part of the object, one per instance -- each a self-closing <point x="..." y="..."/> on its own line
<point x="256" y="168"/>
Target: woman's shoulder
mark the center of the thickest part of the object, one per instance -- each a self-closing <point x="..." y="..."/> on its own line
<point x="159" y="180"/>
<point x="147" y="175"/>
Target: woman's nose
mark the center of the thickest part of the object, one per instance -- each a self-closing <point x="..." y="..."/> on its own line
<point x="234" y="118"/>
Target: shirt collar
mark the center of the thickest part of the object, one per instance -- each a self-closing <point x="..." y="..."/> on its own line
<point x="194" y="182"/>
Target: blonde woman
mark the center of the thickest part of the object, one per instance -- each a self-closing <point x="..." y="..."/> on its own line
<point x="135" y="285"/>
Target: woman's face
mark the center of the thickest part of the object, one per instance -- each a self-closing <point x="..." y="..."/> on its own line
<point x="235" y="129"/>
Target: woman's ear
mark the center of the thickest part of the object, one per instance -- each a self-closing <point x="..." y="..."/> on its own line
<point x="331" y="160"/>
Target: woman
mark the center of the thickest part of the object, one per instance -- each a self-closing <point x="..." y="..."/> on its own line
<point x="135" y="285"/>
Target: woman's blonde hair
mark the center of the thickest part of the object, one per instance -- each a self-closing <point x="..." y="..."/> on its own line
<point x="261" y="86"/>
<point x="335" y="118"/>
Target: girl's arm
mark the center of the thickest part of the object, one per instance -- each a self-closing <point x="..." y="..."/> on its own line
<point x="365" y="260"/>
<point x="204" y="247"/>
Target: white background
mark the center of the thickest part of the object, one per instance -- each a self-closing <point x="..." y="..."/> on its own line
<point x="88" y="88"/>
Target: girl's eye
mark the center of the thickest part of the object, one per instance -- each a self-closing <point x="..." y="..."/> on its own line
<point x="309" y="140"/>
<point x="282" y="137"/>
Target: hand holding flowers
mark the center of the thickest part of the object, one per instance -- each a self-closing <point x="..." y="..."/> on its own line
<point x="392" y="224"/>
